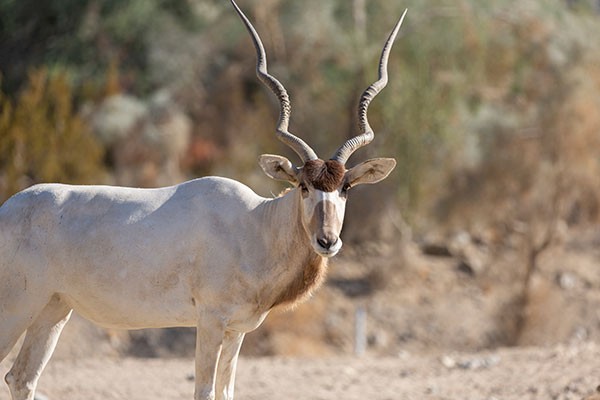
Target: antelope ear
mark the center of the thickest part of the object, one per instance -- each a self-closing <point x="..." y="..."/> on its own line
<point x="370" y="171"/>
<point x="279" y="168"/>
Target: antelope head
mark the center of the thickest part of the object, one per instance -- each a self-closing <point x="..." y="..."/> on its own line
<point x="323" y="185"/>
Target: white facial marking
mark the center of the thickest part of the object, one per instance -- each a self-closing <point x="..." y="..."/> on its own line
<point x="328" y="225"/>
<point x="335" y="198"/>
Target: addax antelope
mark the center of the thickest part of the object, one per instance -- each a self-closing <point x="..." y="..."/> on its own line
<point x="208" y="253"/>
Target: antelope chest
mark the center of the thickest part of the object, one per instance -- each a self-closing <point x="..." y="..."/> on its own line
<point x="247" y="319"/>
<point x="304" y="283"/>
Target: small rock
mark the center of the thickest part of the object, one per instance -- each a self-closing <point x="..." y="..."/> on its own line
<point x="436" y="250"/>
<point x="470" y="363"/>
<point x="464" y="267"/>
<point x="566" y="280"/>
<point x="448" y="362"/>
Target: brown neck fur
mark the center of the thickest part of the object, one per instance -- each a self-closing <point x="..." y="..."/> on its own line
<point x="307" y="269"/>
<point x="324" y="175"/>
<point x="306" y="281"/>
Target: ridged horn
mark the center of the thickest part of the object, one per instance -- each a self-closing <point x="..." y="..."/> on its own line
<point x="298" y="145"/>
<point x="366" y="132"/>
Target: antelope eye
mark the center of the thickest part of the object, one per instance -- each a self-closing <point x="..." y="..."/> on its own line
<point x="345" y="188"/>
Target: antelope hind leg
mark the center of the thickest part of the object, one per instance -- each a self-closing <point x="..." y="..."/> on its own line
<point x="38" y="346"/>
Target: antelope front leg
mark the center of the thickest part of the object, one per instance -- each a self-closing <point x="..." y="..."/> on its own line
<point x="209" y="342"/>
<point x="232" y="342"/>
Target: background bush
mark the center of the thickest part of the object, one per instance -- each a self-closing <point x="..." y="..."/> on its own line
<point x="490" y="106"/>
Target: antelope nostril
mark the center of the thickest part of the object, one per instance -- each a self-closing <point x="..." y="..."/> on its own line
<point x="326" y="243"/>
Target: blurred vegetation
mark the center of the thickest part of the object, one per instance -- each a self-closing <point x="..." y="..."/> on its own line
<point x="84" y="37"/>
<point x="42" y="139"/>
<point x="491" y="110"/>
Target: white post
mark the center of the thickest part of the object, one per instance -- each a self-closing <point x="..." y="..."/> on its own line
<point x="360" y="330"/>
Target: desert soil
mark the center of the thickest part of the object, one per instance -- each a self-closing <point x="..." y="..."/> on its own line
<point x="562" y="372"/>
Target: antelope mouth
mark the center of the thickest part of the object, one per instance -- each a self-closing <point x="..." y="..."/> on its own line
<point x="327" y="249"/>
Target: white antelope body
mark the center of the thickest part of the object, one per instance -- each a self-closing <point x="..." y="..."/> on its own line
<point x="208" y="253"/>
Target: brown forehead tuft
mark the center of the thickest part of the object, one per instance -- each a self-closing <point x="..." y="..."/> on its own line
<point x="324" y="175"/>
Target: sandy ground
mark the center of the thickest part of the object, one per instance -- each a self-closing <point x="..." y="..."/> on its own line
<point x="564" y="372"/>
